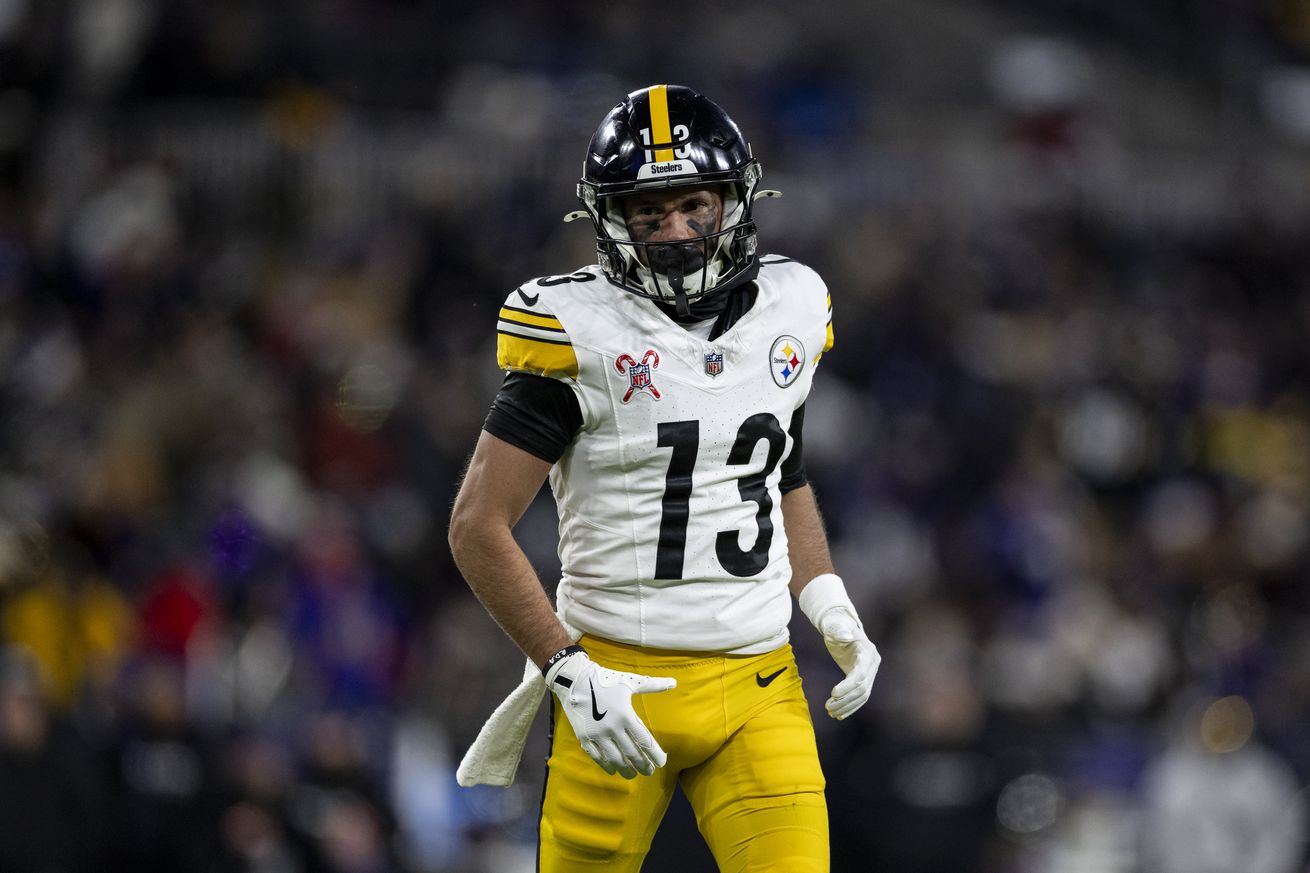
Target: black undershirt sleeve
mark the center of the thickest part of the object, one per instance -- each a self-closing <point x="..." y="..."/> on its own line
<point x="793" y="466"/>
<point x="538" y="414"/>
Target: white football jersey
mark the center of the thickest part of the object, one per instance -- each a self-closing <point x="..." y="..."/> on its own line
<point x="670" y="518"/>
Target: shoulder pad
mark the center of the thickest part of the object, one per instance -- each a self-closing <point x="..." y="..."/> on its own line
<point x="530" y="339"/>
<point x="812" y="279"/>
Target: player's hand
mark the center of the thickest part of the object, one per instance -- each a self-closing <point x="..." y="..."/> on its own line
<point x="856" y="655"/>
<point x="828" y="607"/>
<point x="598" y="704"/>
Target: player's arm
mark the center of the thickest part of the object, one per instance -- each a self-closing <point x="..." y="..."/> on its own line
<point x="532" y="421"/>
<point x="820" y="591"/>
<point x="501" y="482"/>
<point x="807" y="543"/>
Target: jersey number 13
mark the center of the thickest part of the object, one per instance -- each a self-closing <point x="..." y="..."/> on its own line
<point x="684" y="438"/>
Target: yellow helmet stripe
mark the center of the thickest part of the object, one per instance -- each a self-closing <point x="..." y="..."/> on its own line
<point x="661" y="131"/>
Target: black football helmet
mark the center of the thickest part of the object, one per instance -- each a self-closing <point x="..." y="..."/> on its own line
<point x="668" y="136"/>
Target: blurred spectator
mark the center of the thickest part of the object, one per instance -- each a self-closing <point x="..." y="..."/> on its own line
<point x="53" y="808"/>
<point x="77" y="625"/>
<point x="165" y="778"/>
<point x="338" y="808"/>
<point x="1218" y="800"/>
<point x="254" y="829"/>
<point x="916" y="789"/>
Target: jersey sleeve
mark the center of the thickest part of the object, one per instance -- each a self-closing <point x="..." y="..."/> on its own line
<point x="530" y="339"/>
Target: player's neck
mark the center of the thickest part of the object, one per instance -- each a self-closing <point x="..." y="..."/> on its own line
<point x="701" y="309"/>
<point x="724" y="305"/>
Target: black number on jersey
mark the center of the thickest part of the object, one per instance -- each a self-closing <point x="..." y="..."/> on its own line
<point x="684" y="438"/>
<point x="548" y="281"/>
<point x="762" y="426"/>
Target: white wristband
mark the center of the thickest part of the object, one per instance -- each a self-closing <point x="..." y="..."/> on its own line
<point x="823" y="594"/>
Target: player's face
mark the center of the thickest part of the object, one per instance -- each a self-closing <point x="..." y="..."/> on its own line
<point x="670" y="215"/>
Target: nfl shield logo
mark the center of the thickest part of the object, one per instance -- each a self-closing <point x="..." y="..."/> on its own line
<point x="713" y="363"/>
<point x="639" y="373"/>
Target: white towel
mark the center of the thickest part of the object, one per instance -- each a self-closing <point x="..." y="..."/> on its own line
<point x="493" y="759"/>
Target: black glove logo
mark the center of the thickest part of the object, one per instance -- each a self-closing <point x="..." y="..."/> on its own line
<point x="595" y="713"/>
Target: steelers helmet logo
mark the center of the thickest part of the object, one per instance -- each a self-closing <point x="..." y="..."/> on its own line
<point x="786" y="360"/>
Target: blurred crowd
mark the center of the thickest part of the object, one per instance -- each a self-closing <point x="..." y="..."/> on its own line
<point x="250" y="256"/>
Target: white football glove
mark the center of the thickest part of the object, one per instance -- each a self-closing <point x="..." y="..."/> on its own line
<point x="598" y="703"/>
<point x="826" y="604"/>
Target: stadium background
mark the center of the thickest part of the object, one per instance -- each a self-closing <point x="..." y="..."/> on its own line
<point x="250" y="255"/>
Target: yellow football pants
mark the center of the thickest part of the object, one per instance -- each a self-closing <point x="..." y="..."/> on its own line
<point x="740" y="741"/>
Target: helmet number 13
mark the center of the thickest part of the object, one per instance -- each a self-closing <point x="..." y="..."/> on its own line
<point x="683" y="437"/>
<point x="681" y="134"/>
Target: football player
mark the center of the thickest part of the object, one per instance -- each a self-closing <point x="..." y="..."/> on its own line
<point x="662" y="392"/>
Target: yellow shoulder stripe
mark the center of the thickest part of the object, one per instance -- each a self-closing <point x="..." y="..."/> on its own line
<point x="828" y="340"/>
<point x="532" y="319"/>
<point x="541" y="357"/>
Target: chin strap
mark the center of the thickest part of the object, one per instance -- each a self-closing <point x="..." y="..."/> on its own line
<point x="679" y="296"/>
<point x="671" y="260"/>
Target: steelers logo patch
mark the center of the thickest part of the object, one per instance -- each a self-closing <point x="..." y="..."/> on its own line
<point x="786" y="360"/>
